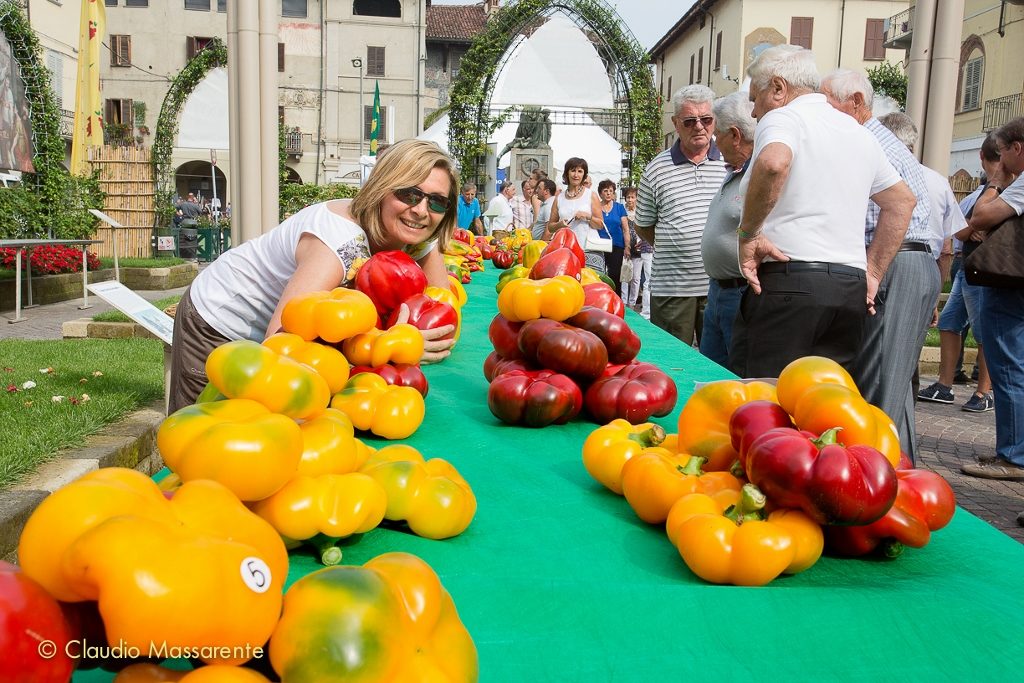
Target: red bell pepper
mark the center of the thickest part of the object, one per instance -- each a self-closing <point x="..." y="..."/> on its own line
<point x="834" y="484"/>
<point x="925" y="502"/>
<point x="495" y="365"/>
<point x="426" y="313"/>
<point x="33" y="631"/>
<point x="558" y="262"/>
<point x="622" y="342"/>
<point x="601" y="295"/>
<point x="534" y="399"/>
<point x="389" y="278"/>
<point x="463" y="235"/>
<point x="635" y="393"/>
<point x="504" y="336"/>
<point x="753" y="419"/>
<point x="399" y="375"/>
<point x="565" y="238"/>
<point x="503" y="258"/>
<point x="563" y="348"/>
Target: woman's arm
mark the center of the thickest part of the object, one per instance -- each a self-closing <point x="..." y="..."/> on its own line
<point x="626" y="237"/>
<point x="432" y="264"/>
<point x="553" y="218"/>
<point x="596" y="217"/>
<point x="317" y="268"/>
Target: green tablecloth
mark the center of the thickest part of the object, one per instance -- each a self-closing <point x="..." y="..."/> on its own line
<point x="557" y="580"/>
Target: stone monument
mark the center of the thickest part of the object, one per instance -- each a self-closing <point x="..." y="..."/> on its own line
<point x="529" y="149"/>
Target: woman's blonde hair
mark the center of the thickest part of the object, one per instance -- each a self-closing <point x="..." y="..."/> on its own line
<point x="405" y="164"/>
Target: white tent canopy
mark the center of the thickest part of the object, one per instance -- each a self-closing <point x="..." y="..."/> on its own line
<point x="204" y="117"/>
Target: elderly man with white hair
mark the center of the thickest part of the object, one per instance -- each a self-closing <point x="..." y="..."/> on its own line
<point x="734" y="126"/>
<point x="906" y="296"/>
<point x="672" y="206"/>
<point x="812" y="172"/>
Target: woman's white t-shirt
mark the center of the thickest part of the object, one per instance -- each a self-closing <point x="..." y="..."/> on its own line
<point x="238" y="293"/>
<point x="567" y="209"/>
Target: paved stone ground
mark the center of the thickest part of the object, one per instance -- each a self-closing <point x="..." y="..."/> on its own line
<point x="948" y="436"/>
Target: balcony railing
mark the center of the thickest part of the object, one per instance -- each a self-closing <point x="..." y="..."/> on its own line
<point x="1001" y="110"/>
<point x="293" y="142"/>
<point x="899" y="30"/>
<point x="67" y="123"/>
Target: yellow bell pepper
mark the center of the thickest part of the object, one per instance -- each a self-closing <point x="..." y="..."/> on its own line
<point x="329" y="445"/>
<point x="607" y="449"/>
<point x="245" y="369"/>
<point x="332" y="505"/>
<point x="724" y="538"/>
<point x="332" y="316"/>
<point x="456" y="286"/>
<point x="656" y="478"/>
<point x="556" y="298"/>
<point x="198" y="571"/>
<point x="428" y="495"/>
<point x="589" y="276"/>
<point x="236" y="442"/>
<point x="389" y="620"/>
<point x="704" y="420"/>
<point x="532" y="252"/>
<point x="375" y="406"/>
<point x="398" y="344"/>
<point x="328" y="361"/>
<point x="214" y="673"/>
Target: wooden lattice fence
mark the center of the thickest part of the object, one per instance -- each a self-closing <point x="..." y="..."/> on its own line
<point x="126" y="175"/>
<point x="962" y="184"/>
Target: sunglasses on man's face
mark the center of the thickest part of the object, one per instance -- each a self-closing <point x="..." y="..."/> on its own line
<point x="411" y="196"/>
<point x="691" y="121"/>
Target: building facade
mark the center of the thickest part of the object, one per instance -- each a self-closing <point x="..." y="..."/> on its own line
<point x="450" y="32"/>
<point x="716" y="40"/>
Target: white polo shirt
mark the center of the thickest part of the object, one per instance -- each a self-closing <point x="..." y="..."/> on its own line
<point x="1013" y="194"/>
<point x="946" y="217"/>
<point x="836" y="166"/>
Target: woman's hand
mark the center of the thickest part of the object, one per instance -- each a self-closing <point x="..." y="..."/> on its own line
<point x="435" y="349"/>
<point x="583" y="215"/>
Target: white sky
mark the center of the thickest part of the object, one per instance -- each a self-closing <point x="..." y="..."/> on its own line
<point x="649" y="20"/>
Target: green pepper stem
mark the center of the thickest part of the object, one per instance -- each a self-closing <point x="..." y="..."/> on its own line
<point x="827" y="438"/>
<point x="891" y="548"/>
<point x="694" y="466"/>
<point x="652" y="436"/>
<point x="750" y="508"/>
<point x="326" y="546"/>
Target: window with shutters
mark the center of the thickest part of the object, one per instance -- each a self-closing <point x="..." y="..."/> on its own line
<point x="374" y="61"/>
<point x="203" y="5"/>
<point x="692" y="58"/>
<point x="718" y="51"/>
<point x="136" y="3"/>
<point x="120" y="50"/>
<point x="194" y="45"/>
<point x="222" y="5"/>
<point x="800" y="31"/>
<point x="280" y="56"/>
<point x="377" y="8"/>
<point x="874" y="39"/>
<point x="700" y="65"/>
<point x="382" y="134"/>
<point x="973" y="72"/>
<point x="55" y="63"/>
<point x="119" y="112"/>
<point x="294" y="8"/>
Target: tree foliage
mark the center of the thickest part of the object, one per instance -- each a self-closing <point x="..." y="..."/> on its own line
<point x="890" y="80"/>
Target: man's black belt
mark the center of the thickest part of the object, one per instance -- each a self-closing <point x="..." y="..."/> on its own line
<point x="773" y="267"/>
<point x="915" y="246"/>
<point x="731" y="283"/>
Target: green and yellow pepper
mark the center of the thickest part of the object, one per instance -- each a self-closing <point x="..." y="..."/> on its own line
<point x="401" y="344"/>
<point x="389" y="620"/>
<point x="245" y="369"/>
<point x="510" y="274"/>
<point x="328" y="361"/>
<point x="332" y="316"/>
<point x="375" y="406"/>
<point x="556" y="298"/>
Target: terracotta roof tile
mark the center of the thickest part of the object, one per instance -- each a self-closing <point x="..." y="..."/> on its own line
<point x="459" y="23"/>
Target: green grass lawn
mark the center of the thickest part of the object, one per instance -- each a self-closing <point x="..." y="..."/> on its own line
<point x="118" y="375"/>
<point x="119" y="317"/>
<point x="932" y="339"/>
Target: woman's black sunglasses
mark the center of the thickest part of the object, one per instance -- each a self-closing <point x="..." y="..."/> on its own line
<point x="411" y="196"/>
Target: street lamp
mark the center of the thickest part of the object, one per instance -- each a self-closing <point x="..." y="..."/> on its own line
<point x="358" y="64"/>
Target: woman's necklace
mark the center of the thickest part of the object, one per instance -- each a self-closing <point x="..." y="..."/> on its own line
<point x="573" y="195"/>
<point x="606" y="209"/>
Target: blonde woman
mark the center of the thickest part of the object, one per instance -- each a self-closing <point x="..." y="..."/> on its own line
<point x="407" y="204"/>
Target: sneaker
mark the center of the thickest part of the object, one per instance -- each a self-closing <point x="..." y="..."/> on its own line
<point x="994" y="469"/>
<point x="979" y="404"/>
<point x="937" y="392"/>
<point x="961" y="378"/>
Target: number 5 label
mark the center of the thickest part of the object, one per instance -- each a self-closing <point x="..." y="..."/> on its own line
<point x="255" y="574"/>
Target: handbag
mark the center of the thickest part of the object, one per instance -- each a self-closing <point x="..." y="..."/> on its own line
<point x="626" y="274"/>
<point x="596" y="241"/>
<point x="999" y="261"/>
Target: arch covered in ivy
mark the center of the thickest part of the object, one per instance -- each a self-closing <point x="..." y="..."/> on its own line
<point x="213" y="56"/>
<point x="470" y="120"/>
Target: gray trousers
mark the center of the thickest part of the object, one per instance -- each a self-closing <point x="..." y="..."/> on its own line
<point x="893" y="338"/>
<point x="194" y="339"/>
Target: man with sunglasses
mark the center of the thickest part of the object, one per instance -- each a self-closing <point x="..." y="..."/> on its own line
<point x="672" y="206"/>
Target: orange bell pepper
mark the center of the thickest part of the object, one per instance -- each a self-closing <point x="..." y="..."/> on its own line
<point x="704" y="420"/>
<point x="401" y="343"/>
<point x="389" y="620"/>
<point x="656" y="478"/>
<point x="375" y="406"/>
<point x="236" y="442"/>
<point x="724" y="538"/>
<point x="245" y="369"/>
<point x="178" y="572"/>
<point x="428" y="495"/>
<point x="329" y="445"/>
<point x="458" y="289"/>
<point x="607" y="449"/>
<point x="214" y="673"/>
<point x="806" y="373"/>
<point x="332" y="316"/>
<point x="556" y="298"/>
<point x="328" y="361"/>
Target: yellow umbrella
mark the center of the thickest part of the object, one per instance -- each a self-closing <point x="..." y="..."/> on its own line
<point x="88" y="105"/>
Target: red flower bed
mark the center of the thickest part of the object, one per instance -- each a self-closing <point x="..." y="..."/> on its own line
<point x="50" y="259"/>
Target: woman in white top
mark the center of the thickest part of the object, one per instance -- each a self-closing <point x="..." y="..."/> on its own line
<point x="408" y="204"/>
<point x="578" y="208"/>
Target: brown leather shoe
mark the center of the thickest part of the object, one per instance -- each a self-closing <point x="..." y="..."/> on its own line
<point x="994" y="469"/>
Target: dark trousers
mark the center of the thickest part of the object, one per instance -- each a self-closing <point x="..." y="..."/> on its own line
<point x="613" y="262"/>
<point x="798" y="314"/>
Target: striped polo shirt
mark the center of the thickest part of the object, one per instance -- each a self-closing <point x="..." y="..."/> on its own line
<point x="673" y="196"/>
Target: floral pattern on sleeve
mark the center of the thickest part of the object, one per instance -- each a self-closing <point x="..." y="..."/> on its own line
<point x="353" y="254"/>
